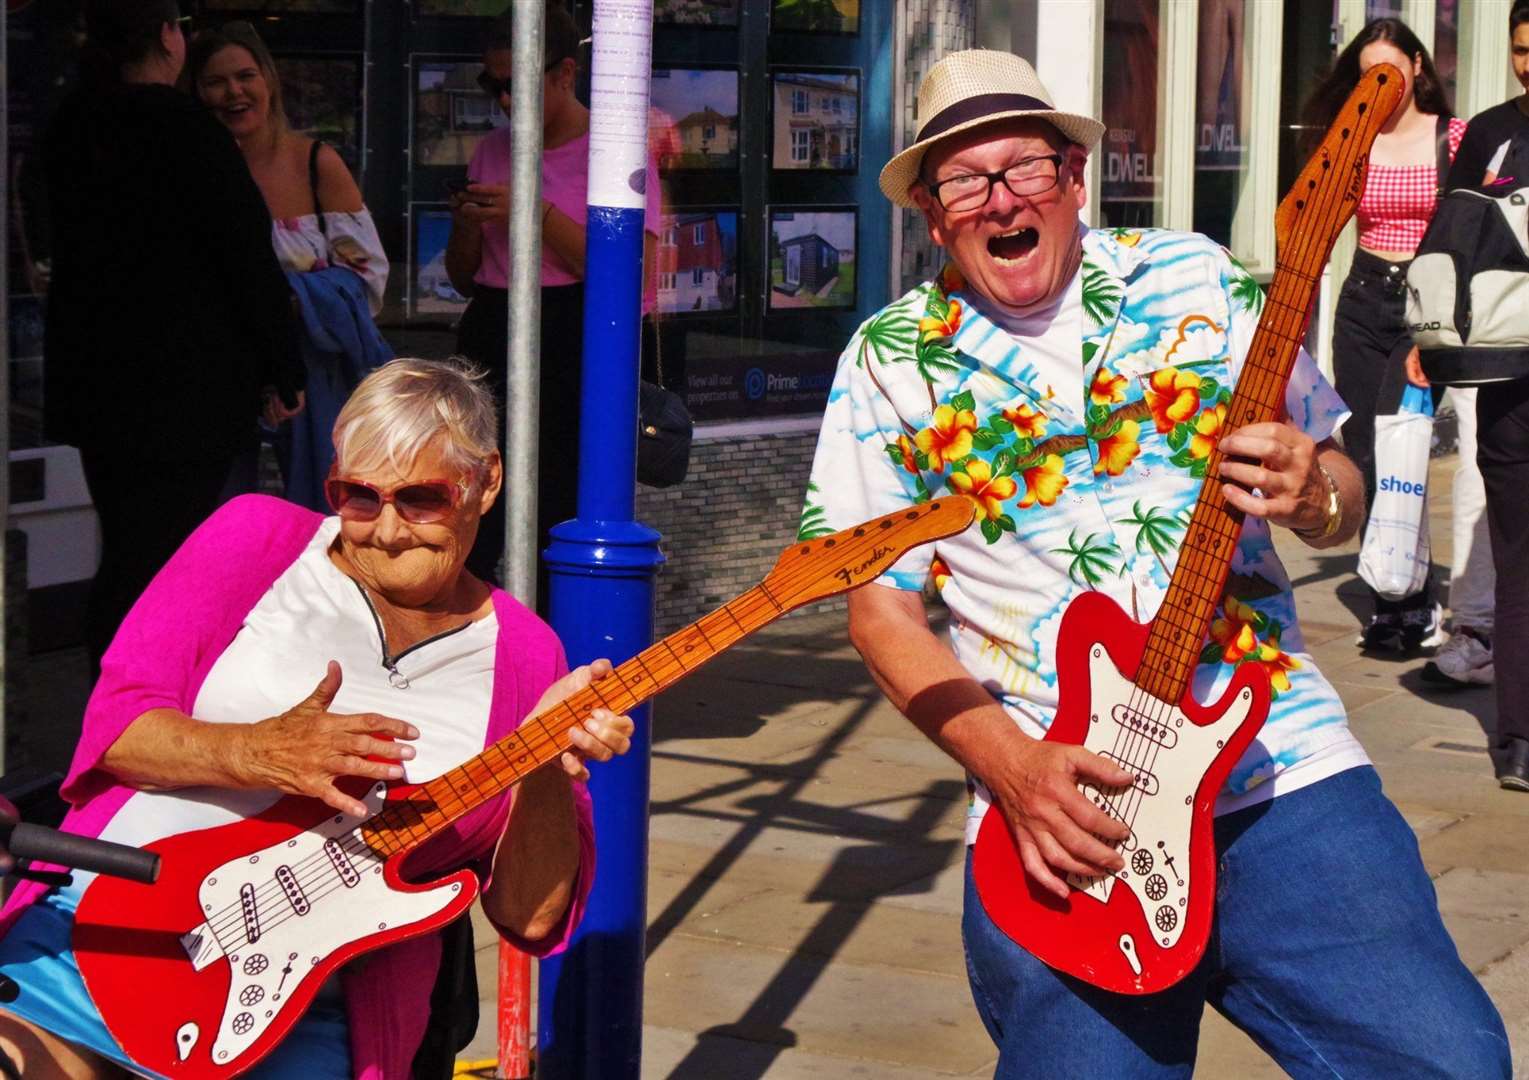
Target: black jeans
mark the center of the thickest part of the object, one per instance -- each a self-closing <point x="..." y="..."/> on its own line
<point x="147" y="508"/>
<point x="1502" y="452"/>
<point x="1370" y="346"/>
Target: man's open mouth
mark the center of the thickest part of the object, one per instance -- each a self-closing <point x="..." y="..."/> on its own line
<point x="1011" y="247"/>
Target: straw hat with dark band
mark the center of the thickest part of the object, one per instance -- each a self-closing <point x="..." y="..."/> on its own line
<point x="976" y="87"/>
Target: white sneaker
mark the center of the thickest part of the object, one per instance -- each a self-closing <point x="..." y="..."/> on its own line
<point x="1464" y="660"/>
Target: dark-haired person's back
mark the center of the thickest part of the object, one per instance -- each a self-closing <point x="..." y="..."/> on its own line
<point x="1494" y="156"/>
<point x="167" y="317"/>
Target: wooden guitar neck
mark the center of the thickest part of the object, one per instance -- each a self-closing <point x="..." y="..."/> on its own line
<point x="1307" y="224"/>
<point x="806" y="571"/>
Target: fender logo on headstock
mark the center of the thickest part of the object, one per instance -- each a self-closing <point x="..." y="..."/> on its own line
<point x="850" y="575"/>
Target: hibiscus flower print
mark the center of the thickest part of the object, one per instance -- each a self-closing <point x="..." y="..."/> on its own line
<point x="1043" y="482"/>
<point x="1173" y="396"/>
<point x="1277" y="663"/>
<point x="1107" y="388"/>
<point x="1207" y="433"/>
<point x="935" y="328"/>
<point x="979" y="485"/>
<point x="1117" y="451"/>
<point x="1031" y="423"/>
<point x="1234" y="632"/>
<point x="948" y="438"/>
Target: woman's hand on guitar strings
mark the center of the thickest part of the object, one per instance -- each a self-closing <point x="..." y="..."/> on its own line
<point x="1056" y="827"/>
<point x="307" y="748"/>
<point x="603" y="734"/>
<point x="1280" y="461"/>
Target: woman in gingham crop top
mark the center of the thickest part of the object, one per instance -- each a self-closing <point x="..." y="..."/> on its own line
<point x="1370" y="337"/>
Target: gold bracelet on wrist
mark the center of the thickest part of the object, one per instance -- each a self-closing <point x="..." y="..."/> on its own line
<point x="1334" y="510"/>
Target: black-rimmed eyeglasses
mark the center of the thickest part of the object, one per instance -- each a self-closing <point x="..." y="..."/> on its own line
<point x="971" y="191"/>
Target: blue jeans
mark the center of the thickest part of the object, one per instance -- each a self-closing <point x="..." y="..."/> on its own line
<point x="1327" y="949"/>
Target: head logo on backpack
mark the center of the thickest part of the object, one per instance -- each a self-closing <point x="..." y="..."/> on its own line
<point x="1468" y="289"/>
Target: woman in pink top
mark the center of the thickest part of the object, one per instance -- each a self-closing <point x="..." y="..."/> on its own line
<point x="284" y="653"/>
<point x="1370" y="337"/>
<point x="477" y="261"/>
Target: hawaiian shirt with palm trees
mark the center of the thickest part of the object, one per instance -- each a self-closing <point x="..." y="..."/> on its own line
<point x="1084" y="467"/>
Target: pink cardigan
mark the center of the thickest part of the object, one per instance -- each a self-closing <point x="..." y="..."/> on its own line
<point x="166" y="646"/>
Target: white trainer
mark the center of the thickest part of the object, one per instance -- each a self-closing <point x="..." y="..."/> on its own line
<point x="1464" y="660"/>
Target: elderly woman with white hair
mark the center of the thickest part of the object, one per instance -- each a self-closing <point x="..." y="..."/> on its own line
<point x="280" y="651"/>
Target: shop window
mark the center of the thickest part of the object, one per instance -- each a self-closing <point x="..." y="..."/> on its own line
<point x="393" y="87"/>
<point x="1446" y="46"/>
<point x="1222" y="110"/>
<point x="1129" y="189"/>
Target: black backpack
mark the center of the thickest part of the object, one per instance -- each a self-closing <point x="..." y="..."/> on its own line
<point x="1468" y="289"/>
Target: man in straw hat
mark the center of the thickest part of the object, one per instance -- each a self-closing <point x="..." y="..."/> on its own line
<point x="1072" y="383"/>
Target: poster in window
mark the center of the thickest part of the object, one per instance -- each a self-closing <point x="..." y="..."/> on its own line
<point x="1221" y="116"/>
<point x="697" y="260"/>
<point x="451" y="112"/>
<point x="693" y="119"/>
<point x="321" y="96"/>
<point x="281" y="7"/>
<point x="1128" y="187"/>
<point x="816" y="16"/>
<point x="431" y="294"/>
<point x="812" y="258"/>
<point x="815" y="119"/>
<point x="696" y="12"/>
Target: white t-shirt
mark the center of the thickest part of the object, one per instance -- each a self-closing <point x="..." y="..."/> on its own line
<point x="314" y="613"/>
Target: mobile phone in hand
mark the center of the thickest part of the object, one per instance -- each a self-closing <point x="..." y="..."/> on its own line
<point x="459" y="186"/>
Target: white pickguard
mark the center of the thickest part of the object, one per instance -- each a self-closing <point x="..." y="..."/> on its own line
<point x="276" y="914"/>
<point x="1169" y="754"/>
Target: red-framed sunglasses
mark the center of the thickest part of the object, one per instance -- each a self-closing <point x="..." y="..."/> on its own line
<point x="420" y="503"/>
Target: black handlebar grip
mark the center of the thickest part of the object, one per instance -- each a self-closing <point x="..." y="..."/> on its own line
<point x="83" y="853"/>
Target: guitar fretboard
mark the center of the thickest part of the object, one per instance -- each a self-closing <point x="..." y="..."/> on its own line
<point x="1320" y="203"/>
<point x="540" y="740"/>
<point x="806" y="571"/>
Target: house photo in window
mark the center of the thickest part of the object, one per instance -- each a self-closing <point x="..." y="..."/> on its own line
<point x="431" y="294"/>
<point x="693" y="118"/>
<point x="697" y="261"/>
<point x="816" y="16"/>
<point x="812" y="257"/>
<point x="815" y="118"/>
<point x="451" y="112"/>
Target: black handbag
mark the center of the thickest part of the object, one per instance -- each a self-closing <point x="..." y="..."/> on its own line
<point x="664" y="428"/>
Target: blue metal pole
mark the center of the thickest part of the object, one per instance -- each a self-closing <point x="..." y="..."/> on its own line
<point x="601" y="568"/>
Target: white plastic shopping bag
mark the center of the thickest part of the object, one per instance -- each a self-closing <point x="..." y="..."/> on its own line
<point x="1394" y="558"/>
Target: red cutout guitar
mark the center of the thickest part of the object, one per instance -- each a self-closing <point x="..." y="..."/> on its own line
<point x="1124" y="688"/>
<point x="202" y="974"/>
